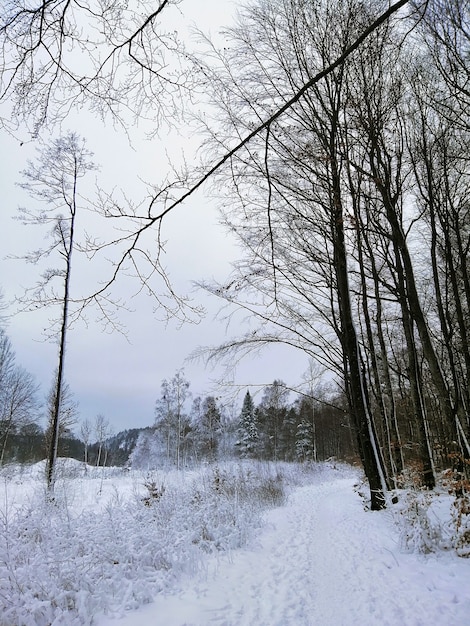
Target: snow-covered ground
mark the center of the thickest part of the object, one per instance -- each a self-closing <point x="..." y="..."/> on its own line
<point x="321" y="560"/>
<point x="202" y="552"/>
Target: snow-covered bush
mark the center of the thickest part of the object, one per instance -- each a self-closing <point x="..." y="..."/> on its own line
<point x="458" y="485"/>
<point x="422" y="529"/>
<point x="63" y="561"/>
<point x="461" y="520"/>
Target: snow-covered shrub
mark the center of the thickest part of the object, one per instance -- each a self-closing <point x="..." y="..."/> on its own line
<point x="411" y="476"/>
<point x="438" y="520"/>
<point x="423" y="528"/>
<point x="458" y="485"/>
<point x="228" y="499"/>
<point x="461" y="519"/>
<point x="257" y="482"/>
<point x="65" y="560"/>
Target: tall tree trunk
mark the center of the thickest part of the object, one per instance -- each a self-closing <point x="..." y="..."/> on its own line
<point x="55" y="422"/>
<point x="373" y="360"/>
<point x="415" y="309"/>
<point x="393" y="432"/>
<point x="415" y="379"/>
<point x="354" y="377"/>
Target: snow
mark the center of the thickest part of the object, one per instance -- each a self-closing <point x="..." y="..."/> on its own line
<point x="206" y="551"/>
<point x="321" y="560"/>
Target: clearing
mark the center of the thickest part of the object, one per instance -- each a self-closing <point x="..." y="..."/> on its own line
<point x="321" y="560"/>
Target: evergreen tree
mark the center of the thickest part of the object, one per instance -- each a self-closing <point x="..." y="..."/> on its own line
<point x="248" y="436"/>
<point x="288" y="435"/>
<point x="272" y="418"/>
<point x="305" y="444"/>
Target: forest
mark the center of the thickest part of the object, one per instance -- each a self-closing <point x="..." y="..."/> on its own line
<point x="335" y="137"/>
<point x="353" y="213"/>
<point x="186" y="431"/>
<point x="333" y="140"/>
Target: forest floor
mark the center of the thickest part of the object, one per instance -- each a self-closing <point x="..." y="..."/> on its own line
<point x="320" y="560"/>
<point x="238" y="543"/>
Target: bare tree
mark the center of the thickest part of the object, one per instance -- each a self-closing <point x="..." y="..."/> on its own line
<point x="102" y="432"/>
<point x="132" y="43"/>
<point x="85" y="434"/>
<point x="161" y="204"/>
<point x="293" y="203"/>
<point x="171" y="419"/>
<point x="18" y="395"/>
<point x="438" y="145"/>
<point x="206" y="422"/>
<point x="444" y="26"/>
<point x="54" y="180"/>
<point x="67" y="418"/>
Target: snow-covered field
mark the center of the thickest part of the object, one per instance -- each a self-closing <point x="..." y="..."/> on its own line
<point x="196" y="548"/>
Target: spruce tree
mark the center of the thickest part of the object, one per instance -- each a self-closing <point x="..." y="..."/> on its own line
<point x="305" y="445"/>
<point x="248" y="436"/>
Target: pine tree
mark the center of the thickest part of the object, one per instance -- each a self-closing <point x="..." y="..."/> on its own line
<point x="248" y="436"/>
<point x="305" y="444"/>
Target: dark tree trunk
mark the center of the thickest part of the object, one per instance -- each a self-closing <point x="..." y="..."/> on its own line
<point x="354" y="377"/>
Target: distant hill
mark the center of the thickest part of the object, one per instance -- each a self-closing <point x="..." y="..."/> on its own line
<point x="116" y="449"/>
<point x="28" y="446"/>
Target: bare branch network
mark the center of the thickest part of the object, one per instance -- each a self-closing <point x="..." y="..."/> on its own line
<point x="116" y="59"/>
<point x="343" y="139"/>
<point x="154" y="213"/>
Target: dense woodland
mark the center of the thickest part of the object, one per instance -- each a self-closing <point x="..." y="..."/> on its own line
<point x="353" y="211"/>
<point x="342" y="133"/>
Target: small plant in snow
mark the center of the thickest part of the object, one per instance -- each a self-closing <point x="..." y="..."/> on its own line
<point x="154" y="491"/>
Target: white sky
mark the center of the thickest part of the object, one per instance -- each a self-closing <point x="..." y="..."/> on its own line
<point x="106" y="373"/>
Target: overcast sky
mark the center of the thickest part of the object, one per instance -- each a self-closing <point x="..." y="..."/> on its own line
<point x="107" y="373"/>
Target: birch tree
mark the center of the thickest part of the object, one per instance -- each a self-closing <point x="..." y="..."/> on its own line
<point x="171" y="418"/>
<point x="85" y="434"/>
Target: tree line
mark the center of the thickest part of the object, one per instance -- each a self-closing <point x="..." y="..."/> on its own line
<point x="186" y="430"/>
<point x="203" y="429"/>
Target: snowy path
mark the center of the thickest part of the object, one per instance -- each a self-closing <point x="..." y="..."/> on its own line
<point x="321" y="561"/>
